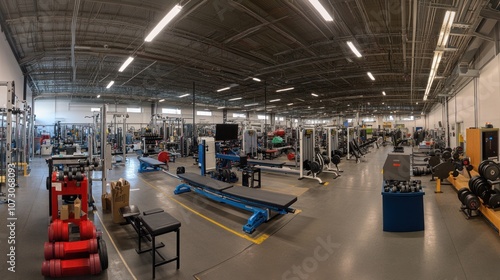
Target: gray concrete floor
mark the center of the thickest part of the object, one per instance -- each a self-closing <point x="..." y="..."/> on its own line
<point x="337" y="234"/>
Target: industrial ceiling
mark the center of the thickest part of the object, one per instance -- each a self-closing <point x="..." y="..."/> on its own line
<point x="74" y="49"/>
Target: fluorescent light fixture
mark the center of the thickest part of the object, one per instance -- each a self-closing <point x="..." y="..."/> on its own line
<point x="159" y="27"/>
<point x="257" y="79"/>
<point x="126" y="63"/>
<point x="322" y="11"/>
<point x="314" y="94"/>
<point x="289" y="104"/>
<point x="184" y="95"/>
<point x="236" y="98"/>
<point x="251" y="104"/>
<point x="98" y="96"/>
<point x="221" y="107"/>
<point x="348" y="105"/>
<point x="223" y="89"/>
<point x="368" y="103"/>
<point x="383" y="103"/>
<point x="435" y="65"/>
<point x="161" y="100"/>
<point x="444" y="33"/>
<point x="274" y="100"/>
<point x="110" y="84"/>
<point x="284" y="89"/>
<point x="270" y="107"/>
<point x="370" y="75"/>
<point x="353" y="49"/>
<point x="416" y="103"/>
<point x="300" y="99"/>
<point x="383" y="93"/>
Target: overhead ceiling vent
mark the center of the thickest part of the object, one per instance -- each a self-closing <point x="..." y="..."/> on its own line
<point x="463" y="70"/>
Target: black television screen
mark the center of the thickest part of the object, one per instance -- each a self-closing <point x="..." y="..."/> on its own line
<point x="226" y="132"/>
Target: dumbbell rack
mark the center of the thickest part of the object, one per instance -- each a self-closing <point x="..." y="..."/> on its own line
<point x="402" y="204"/>
<point x="65" y="257"/>
<point x="62" y="185"/>
<point x="490" y="214"/>
<point x="149" y="142"/>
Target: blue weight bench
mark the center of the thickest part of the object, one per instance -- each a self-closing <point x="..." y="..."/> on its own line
<point x="147" y="164"/>
<point x="257" y="201"/>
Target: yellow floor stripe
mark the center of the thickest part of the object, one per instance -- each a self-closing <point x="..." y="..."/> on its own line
<point x="257" y="240"/>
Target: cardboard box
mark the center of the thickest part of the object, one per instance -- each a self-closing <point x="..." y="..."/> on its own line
<point x="77" y="206"/>
<point x="120" y="195"/>
<point x="106" y="202"/>
<point x="64" y="212"/>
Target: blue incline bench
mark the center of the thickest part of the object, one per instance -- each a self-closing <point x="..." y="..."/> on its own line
<point x="259" y="202"/>
<point x="148" y="164"/>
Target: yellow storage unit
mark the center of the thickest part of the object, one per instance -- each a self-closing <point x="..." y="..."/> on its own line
<point x="482" y="143"/>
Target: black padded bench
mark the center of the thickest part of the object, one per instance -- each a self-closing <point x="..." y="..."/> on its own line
<point x="258" y="201"/>
<point x="153" y="223"/>
<point x="273" y="199"/>
<point x="271" y="163"/>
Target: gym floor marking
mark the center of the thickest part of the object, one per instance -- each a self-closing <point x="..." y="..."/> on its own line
<point x="114" y="245"/>
<point x="257" y="240"/>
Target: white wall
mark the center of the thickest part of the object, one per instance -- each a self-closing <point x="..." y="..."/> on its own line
<point x="489" y="93"/>
<point x="10" y="71"/>
<point x="461" y="106"/>
<point x="434" y="116"/>
<point x="48" y="111"/>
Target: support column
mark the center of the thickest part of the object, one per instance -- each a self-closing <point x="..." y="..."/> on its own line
<point x="104" y="109"/>
<point x="195" y="136"/>
<point x="476" y="104"/>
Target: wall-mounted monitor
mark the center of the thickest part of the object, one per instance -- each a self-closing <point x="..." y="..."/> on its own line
<point x="226" y="132"/>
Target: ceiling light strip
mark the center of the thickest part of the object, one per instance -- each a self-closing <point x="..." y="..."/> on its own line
<point x="110" y="84"/>
<point x="370" y="75"/>
<point x="285" y="89"/>
<point x="126" y="63"/>
<point x="223" y="89"/>
<point x="354" y="49"/>
<point x="444" y="35"/>
<point x="159" y="27"/>
<point x="322" y="11"/>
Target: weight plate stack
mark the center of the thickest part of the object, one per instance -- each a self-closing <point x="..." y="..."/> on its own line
<point x="480" y="187"/>
<point x="489" y="170"/>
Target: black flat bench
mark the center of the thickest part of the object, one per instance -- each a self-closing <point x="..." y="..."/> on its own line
<point x="156" y="225"/>
<point x="131" y="213"/>
<point x="271" y="163"/>
<point x="153" y="223"/>
<point x="205" y="182"/>
<point x="259" y="202"/>
<point x="278" y="200"/>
